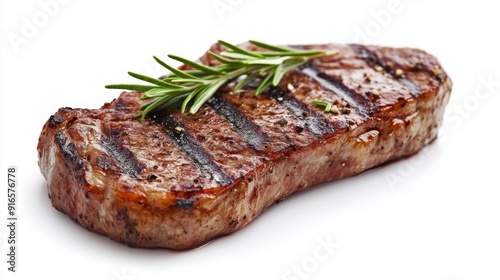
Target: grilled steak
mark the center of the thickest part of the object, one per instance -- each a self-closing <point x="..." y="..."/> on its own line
<point x="177" y="181"/>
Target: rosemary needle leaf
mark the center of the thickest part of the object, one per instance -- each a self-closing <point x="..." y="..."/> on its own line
<point x="327" y="105"/>
<point x="176" y="71"/>
<point x="237" y="49"/>
<point x="201" y="67"/>
<point x="245" y="81"/>
<point x="267" y="61"/>
<point x="153" y="80"/>
<point x="139" y="88"/>
<point x="295" y="53"/>
<point x="269" y="47"/>
<point x="189" y="97"/>
<point x="223" y="59"/>
<point x="182" y="80"/>
<point x="266" y="69"/>
<point x="143" y="107"/>
<point x="292" y="63"/>
<point x="195" y="73"/>
<point x="278" y="74"/>
<point x="171" y="102"/>
<point x="152" y="105"/>
<point x="205" y="95"/>
<point x="239" y="56"/>
<point x="264" y="84"/>
<point x="156" y="92"/>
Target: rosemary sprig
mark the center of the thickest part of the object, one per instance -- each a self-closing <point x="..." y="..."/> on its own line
<point x="192" y="88"/>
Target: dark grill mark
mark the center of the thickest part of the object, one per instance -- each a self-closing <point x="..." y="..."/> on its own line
<point x="55" y="120"/>
<point x="251" y="132"/>
<point x="414" y="89"/>
<point x="185" y="142"/>
<point x="367" y="55"/>
<point x="357" y="101"/>
<point x="185" y="203"/>
<point x="124" y="158"/>
<point x="68" y="150"/>
<point x="373" y="61"/>
<point x="121" y="105"/>
<point x="104" y="162"/>
<point x="312" y="120"/>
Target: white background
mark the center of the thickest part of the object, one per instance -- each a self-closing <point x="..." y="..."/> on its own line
<point x="435" y="216"/>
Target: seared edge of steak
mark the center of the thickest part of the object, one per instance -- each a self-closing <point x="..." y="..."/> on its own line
<point x="177" y="181"/>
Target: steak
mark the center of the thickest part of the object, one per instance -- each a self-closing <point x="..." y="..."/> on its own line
<point x="177" y="180"/>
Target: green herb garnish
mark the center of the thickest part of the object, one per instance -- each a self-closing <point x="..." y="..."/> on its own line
<point x="321" y="103"/>
<point x="192" y="88"/>
<point x="329" y="107"/>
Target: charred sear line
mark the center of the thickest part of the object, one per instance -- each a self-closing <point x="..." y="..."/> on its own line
<point x="68" y="150"/>
<point x="105" y="163"/>
<point x="185" y="203"/>
<point x="250" y="131"/>
<point x="368" y="56"/>
<point x="55" y="120"/>
<point x="357" y="101"/>
<point x="185" y="142"/>
<point x="411" y="86"/>
<point x="373" y="61"/>
<point x="124" y="158"/>
<point x="316" y="124"/>
<point x="121" y="105"/>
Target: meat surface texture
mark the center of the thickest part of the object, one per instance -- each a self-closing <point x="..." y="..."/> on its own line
<point x="177" y="181"/>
